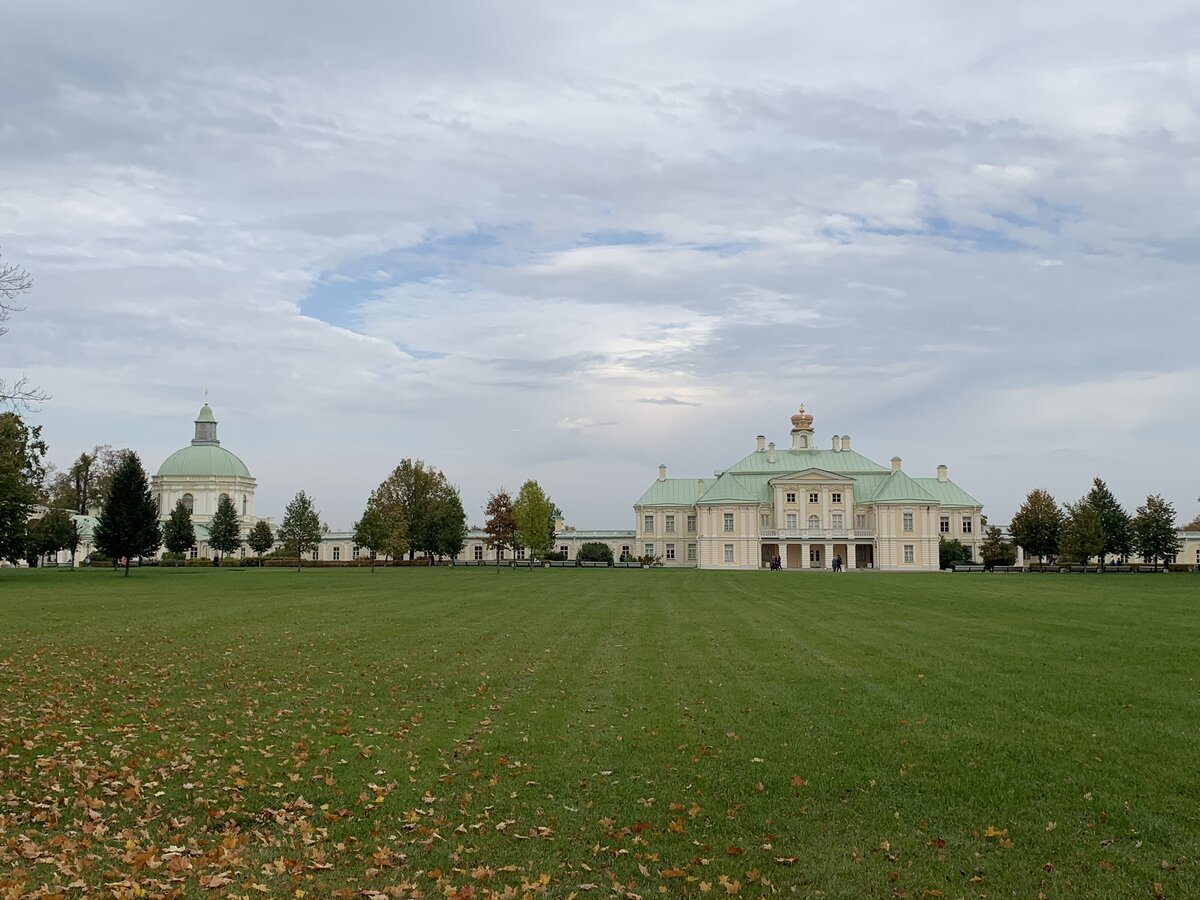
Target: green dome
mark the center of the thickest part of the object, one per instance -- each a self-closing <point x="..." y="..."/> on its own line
<point x="203" y="460"/>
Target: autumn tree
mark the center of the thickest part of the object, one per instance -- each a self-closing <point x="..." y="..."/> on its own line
<point x="994" y="550"/>
<point x="1154" y="534"/>
<point x="371" y="532"/>
<point x="21" y="472"/>
<point x="260" y="539"/>
<point x="225" y="528"/>
<point x="128" y="525"/>
<point x="1036" y="525"/>
<point x="533" y="514"/>
<point x="1114" y="521"/>
<point x="501" y="523"/>
<point x="85" y="485"/>
<point x="179" y="534"/>
<point x="15" y="281"/>
<point x="1082" y="534"/>
<point x="301" y="526"/>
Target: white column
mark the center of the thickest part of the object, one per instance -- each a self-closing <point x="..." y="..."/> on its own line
<point x="828" y="560"/>
<point x="804" y="556"/>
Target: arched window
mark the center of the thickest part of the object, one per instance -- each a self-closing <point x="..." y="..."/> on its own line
<point x="188" y="502"/>
<point x="814" y="522"/>
<point x="243" y="504"/>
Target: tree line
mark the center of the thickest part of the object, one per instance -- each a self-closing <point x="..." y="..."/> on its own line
<point x="1095" y="526"/>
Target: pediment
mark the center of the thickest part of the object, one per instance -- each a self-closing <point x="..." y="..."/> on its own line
<point x="811" y="476"/>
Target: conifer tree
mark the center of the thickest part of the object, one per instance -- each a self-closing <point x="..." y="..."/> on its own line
<point x="1036" y="525"/>
<point x="1118" y="534"/>
<point x="1154" y="534"/>
<point x="128" y="525"/>
<point x="225" y="528"/>
<point x="1082" y="534"/>
<point x="179" y="534"/>
<point x="261" y="539"/>
<point x="301" y="526"/>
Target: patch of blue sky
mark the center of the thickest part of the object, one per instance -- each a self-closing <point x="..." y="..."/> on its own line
<point x="1047" y="216"/>
<point x="990" y="239"/>
<point x="337" y="294"/>
<point x="727" y="248"/>
<point x="618" y="238"/>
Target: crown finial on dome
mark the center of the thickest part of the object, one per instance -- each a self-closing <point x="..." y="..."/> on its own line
<point x="801" y="421"/>
<point x="206" y="427"/>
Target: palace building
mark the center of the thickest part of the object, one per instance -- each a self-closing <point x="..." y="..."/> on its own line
<point x="806" y="507"/>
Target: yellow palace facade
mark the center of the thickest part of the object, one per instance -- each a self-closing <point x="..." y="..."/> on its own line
<point x="806" y="508"/>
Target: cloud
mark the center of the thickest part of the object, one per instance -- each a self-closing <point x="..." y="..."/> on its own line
<point x="381" y="232"/>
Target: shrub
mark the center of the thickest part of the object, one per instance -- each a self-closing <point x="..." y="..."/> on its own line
<point x="650" y="560"/>
<point x="595" y="551"/>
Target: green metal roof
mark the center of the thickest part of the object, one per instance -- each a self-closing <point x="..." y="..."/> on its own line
<point x="947" y="493"/>
<point x="731" y="488"/>
<point x="840" y="461"/>
<point x="672" y="492"/>
<point x="206" y="414"/>
<point x="203" y="460"/>
<point x="899" y="488"/>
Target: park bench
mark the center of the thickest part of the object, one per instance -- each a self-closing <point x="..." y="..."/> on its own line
<point x="1009" y="570"/>
<point x="1118" y="569"/>
<point x="968" y="568"/>
<point x="589" y="564"/>
<point x="523" y="563"/>
<point x="627" y="565"/>
<point x="466" y="562"/>
<point x="561" y="563"/>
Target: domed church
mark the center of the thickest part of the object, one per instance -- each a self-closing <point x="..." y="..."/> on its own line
<point x="200" y="474"/>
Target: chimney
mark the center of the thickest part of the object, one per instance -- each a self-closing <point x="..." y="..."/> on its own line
<point x="942" y="473"/>
<point x="837" y="444"/>
<point x="845" y="442"/>
<point x="771" y="452"/>
<point x="895" y="464"/>
<point x="699" y="487"/>
<point x="662" y="473"/>
<point x="761" y="442"/>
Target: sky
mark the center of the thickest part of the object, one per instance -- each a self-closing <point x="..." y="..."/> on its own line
<point x="570" y="242"/>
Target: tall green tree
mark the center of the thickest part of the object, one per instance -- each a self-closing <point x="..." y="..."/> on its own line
<point x="260" y="539"/>
<point x="128" y="525"/>
<point x="301" y="526"/>
<point x="1082" y="535"/>
<point x="448" y="522"/>
<point x="1037" y="524"/>
<point x="534" y="516"/>
<point x="501" y="524"/>
<point x="952" y="553"/>
<point x="1154" y="534"/>
<point x="21" y="472"/>
<point x="179" y="534"/>
<point x="225" y="528"/>
<point x="371" y="532"/>
<point x="994" y="550"/>
<point x="1118" y="534"/>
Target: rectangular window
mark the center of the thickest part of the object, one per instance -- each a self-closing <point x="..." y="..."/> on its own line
<point x="478" y="553"/>
<point x="193" y="552"/>
<point x="520" y="553"/>
<point x="692" y="553"/>
<point x="729" y="521"/>
<point x="765" y="520"/>
<point x="670" y="523"/>
<point x="908" y="521"/>
<point x="625" y="549"/>
<point x="354" y="552"/>
<point x="860" y="520"/>
<point x="729" y="553"/>
<point x="500" y="553"/>
<point x="670" y="554"/>
<point x="944" y="525"/>
<point x="790" y="497"/>
<point x="791" y="520"/>
<point x="836" y="498"/>
<point x="814" y="498"/>
<point x="315" y="555"/>
<point x="837" y="522"/>
<point x="243" y="553"/>
<point x="908" y="553"/>
<point x="966" y="524"/>
<point x="691" y="524"/>
<point x="649" y="549"/>
<point x="564" y="550"/>
<point x="337" y="553"/>
<point x="648" y="524"/>
<point x="814" y="555"/>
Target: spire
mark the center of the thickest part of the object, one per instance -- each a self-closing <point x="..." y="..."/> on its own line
<point x="206" y="428"/>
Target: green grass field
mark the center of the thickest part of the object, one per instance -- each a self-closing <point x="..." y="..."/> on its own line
<point x="634" y="733"/>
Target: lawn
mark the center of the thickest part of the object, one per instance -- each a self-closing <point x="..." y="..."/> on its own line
<point x="600" y="732"/>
